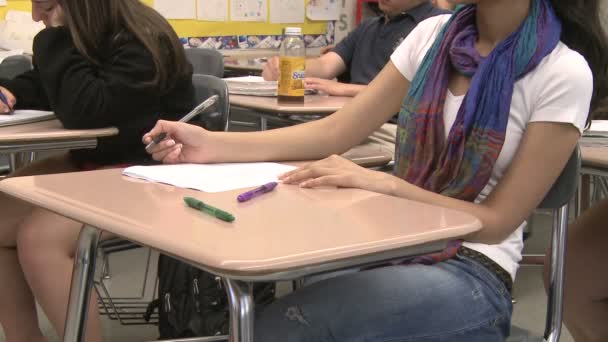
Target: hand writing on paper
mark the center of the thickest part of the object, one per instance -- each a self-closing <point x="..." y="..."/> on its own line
<point x="341" y="172"/>
<point x="271" y="69"/>
<point x="6" y="108"/>
<point x="185" y="143"/>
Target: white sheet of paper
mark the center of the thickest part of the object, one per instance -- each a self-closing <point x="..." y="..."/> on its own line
<point x="287" y="11"/>
<point x="2" y="2"/>
<point x="212" y="10"/>
<point x="210" y="177"/>
<point x="25" y="116"/>
<point x="323" y="10"/>
<point x="249" y="10"/>
<point x="176" y="9"/>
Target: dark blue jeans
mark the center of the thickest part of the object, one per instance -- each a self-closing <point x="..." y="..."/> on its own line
<point x="454" y="301"/>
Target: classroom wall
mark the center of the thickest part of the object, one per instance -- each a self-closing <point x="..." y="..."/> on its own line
<point x="227" y="35"/>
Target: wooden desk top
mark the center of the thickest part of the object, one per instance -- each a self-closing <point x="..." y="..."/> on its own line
<point x="595" y="156"/>
<point x="247" y="63"/>
<point x="50" y="130"/>
<point x="285" y="229"/>
<point x="369" y="155"/>
<point x="313" y="104"/>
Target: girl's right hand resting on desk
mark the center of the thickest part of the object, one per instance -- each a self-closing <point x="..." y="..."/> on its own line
<point x="183" y="144"/>
<point x="6" y="108"/>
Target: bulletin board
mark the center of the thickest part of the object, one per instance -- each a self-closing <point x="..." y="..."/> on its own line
<point x="196" y="28"/>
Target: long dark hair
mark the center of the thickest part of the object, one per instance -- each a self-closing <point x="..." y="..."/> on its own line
<point x="93" y="23"/>
<point x="583" y="32"/>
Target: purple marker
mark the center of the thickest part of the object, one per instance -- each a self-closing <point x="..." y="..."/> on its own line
<point x="246" y="196"/>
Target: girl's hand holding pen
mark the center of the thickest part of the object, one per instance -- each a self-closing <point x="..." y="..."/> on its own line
<point x="184" y="143"/>
<point x="7" y="101"/>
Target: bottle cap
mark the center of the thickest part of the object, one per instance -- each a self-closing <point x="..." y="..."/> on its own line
<point x="293" y="31"/>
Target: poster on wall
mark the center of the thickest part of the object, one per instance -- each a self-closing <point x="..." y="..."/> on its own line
<point x="249" y="10"/>
<point x="323" y="10"/>
<point x="176" y="9"/>
<point x="212" y="10"/>
<point x="286" y="11"/>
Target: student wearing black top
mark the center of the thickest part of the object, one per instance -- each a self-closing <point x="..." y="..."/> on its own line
<point x="96" y="64"/>
<point x="365" y="51"/>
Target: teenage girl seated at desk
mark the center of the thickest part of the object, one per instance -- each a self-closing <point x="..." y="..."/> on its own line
<point x="485" y="89"/>
<point x="97" y="63"/>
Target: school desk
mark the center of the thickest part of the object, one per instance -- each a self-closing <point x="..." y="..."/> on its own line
<point x="243" y="65"/>
<point x="268" y="108"/>
<point x="594" y="154"/>
<point x="283" y="235"/>
<point x="47" y="136"/>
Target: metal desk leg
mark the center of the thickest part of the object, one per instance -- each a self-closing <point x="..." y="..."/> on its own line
<point x="12" y="162"/>
<point x="263" y="124"/>
<point x="31" y="157"/>
<point x="240" y="298"/>
<point x="82" y="281"/>
<point x="583" y="195"/>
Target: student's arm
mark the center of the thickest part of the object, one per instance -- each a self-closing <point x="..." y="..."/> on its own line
<point x="327" y="66"/>
<point x="85" y="95"/>
<point x="332" y="87"/>
<point x="546" y="145"/>
<point x="27" y="91"/>
<point x="334" y="134"/>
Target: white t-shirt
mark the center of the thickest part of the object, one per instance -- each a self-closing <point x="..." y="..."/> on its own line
<point x="558" y="90"/>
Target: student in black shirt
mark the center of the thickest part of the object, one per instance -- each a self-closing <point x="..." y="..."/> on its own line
<point x="361" y="55"/>
<point x="96" y="64"/>
<point x="365" y="51"/>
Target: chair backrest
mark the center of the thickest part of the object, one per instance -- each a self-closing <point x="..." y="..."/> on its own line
<point x="206" y="61"/>
<point x="14" y="65"/>
<point x="206" y="86"/>
<point x="566" y="184"/>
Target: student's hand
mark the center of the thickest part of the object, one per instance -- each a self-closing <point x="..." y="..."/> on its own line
<point x="271" y="69"/>
<point x="4" y="109"/>
<point x="184" y="143"/>
<point x="330" y="87"/>
<point x="341" y="172"/>
<point x="326" y="49"/>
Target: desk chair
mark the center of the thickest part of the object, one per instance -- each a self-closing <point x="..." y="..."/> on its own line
<point x="130" y="310"/>
<point x="557" y="200"/>
<point x="14" y="65"/>
<point x="206" y="61"/>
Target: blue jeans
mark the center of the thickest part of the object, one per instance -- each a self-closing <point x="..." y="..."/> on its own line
<point x="452" y="301"/>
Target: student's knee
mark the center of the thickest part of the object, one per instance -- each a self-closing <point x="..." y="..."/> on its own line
<point x="43" y="235"/>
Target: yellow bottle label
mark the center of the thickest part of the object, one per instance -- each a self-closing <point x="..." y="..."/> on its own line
<point x="291" y="80"/>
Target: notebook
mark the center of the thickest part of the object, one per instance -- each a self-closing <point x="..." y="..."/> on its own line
<point x="210" y="177"/>
<point x="255" y="86"/>
<point x="25" y="116"/>
<point x="251" y="85"/>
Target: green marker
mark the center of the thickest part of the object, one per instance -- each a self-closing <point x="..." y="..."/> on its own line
<point x="206" y="208"/>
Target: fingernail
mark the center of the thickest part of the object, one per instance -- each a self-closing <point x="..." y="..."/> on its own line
<point x="170" y="143"/>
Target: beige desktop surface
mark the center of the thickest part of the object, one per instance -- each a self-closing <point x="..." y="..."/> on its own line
<point x="285" y="229"/>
